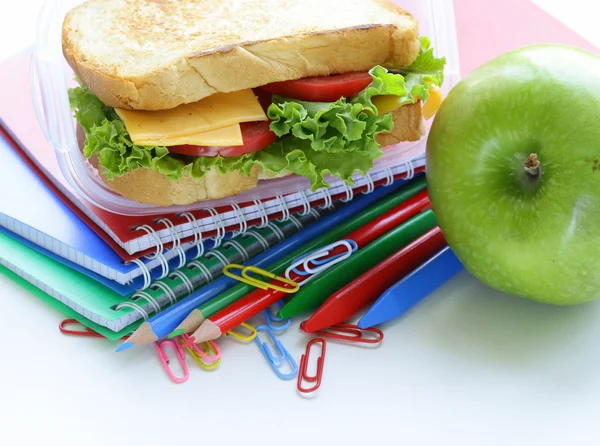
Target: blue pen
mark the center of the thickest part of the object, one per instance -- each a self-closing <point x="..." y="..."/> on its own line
<point x="413" y="288"/>
<point x="169" y="319"/>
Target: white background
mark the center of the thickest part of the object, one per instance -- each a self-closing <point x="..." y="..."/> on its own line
<point x="468" y="366"/>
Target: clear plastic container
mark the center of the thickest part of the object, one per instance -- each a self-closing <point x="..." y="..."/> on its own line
<point x="52" y="77"/>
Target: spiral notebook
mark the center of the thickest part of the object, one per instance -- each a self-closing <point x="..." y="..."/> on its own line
<point x="126" y="233"/>
<point x="38" y="217"/>
<point x="118" y="315"/>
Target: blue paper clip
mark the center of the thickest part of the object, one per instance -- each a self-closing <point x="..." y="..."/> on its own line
<point x="323" y="260"/>
<point x="274" y="322"/>
<point x="283" y="354"/>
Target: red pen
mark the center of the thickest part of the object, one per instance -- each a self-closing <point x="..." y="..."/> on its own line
<point x="365" y="289"/>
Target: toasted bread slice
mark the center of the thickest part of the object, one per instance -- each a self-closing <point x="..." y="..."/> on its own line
<point x="152" y="55"/>
<point x="150" y="186"/>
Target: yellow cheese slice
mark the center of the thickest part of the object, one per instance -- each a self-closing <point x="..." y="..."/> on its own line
<point x="433" y="103"/>
<point x="212" y="113"/>
<point x="226" y="136"/>
<point x="388" y="103"/>
<point x="385" y="103"/>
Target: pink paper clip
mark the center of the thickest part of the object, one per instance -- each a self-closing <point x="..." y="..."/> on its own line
<point x="164" y="359"/>
<point x="188" y="341"/>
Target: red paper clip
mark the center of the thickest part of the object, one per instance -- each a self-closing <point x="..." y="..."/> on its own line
<point x="302" y="373"/>
<point x="353" y="333"/>
<point x="84" y="331"/>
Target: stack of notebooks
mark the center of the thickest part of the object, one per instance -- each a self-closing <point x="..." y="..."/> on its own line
<point x="111" y="271"/>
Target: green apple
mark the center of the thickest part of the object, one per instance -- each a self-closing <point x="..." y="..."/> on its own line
<point x="513" y="166"/>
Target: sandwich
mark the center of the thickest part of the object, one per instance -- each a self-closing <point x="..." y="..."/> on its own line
<point x="183" y="101"/>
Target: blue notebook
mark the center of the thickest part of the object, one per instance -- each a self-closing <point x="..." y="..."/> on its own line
<point x="29" y="210"/>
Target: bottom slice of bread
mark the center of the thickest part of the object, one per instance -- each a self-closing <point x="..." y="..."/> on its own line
<point x="152" y="187"/>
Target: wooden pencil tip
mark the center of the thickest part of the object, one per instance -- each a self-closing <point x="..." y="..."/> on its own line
<point x="143" y="335"/>
<point x="208" y="331"/>
<point x="191" y="323"/>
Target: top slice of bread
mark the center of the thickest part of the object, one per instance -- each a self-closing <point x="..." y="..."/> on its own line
<point x="158" y="54"/>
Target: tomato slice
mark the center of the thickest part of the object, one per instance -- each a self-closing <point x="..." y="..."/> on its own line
<point x="256" y="136"/>
<point x="322" y="88"/>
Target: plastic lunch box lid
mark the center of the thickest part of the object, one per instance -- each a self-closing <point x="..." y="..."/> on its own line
<point x="52" y="77"/>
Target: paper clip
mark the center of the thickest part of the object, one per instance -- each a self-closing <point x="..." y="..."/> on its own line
<point x="274" y="322"/>
<point x="187" y="342"/>
<point x="311" y="273"/>
<point x="322" y="261"/>
<point x="202" y="353"/>
<point x="83" y="331"/>
<point x="249" y="280"/>
<point x="353" y="334"/>
<point x="165" y="361"/>
<point x="303" y="373"/>
<point x="319" y="258"/>
<point x="276" y="359"/>
<point x="208" y="347"/>
<point x="250" y="337"/>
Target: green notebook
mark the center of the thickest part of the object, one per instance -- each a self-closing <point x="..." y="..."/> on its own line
<point x="64" y="309"/>
<point x="112" y="315"/>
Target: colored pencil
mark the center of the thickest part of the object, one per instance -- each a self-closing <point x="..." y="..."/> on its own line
<point x="410" y="290"/>
<point x="258" y="300"/>
<point x="342" y="305"/>
<point x="166" y="321"/>
<point x="315" y="292"/>
<point x="349" y="223"/>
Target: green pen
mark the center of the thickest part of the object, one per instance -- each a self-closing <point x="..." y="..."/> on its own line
<point x="200" y="314"/>
<point x="315" y="292"/>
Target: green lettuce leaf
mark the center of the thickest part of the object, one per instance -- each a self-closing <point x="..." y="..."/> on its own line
<point x="425" y="72"/>
<point x="316" y="139"/>
<point x="384" y="83"/>
<point x="321" y="138"/>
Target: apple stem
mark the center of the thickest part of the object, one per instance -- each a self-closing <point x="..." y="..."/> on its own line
<point x="532" y="165"/>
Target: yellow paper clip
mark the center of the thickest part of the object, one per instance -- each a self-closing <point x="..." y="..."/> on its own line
<point x="241" y="337"/>
<point x="252" y="281"/>
<point x="208" y="350"/>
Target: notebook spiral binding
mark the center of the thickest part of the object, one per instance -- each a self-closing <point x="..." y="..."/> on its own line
<point x="275" y="233"/>
<point x="242" y="220"/>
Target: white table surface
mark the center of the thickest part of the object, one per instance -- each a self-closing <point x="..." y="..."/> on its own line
<point x="467" y="366"/>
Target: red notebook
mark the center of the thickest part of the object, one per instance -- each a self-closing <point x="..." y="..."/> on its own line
<point x="482" y="34"/>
